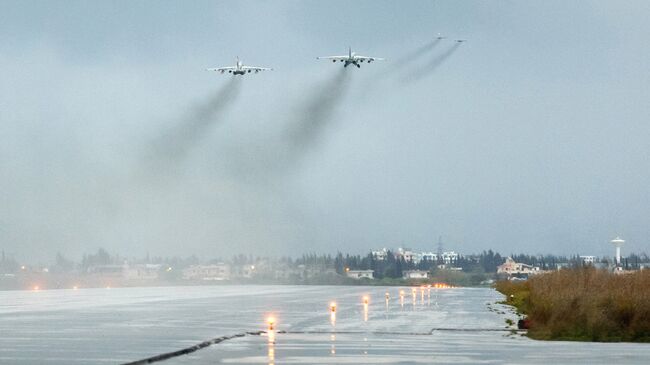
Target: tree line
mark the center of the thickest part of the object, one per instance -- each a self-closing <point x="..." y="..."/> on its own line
<point x="393" y="266"/>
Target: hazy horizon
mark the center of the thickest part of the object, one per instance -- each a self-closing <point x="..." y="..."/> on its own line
<point x="530" y="137"/>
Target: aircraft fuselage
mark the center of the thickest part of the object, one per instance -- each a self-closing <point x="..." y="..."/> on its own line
<point x="351" y="60"/>
<point x="239" y="69"/>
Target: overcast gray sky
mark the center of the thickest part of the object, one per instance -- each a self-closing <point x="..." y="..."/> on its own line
<point x="531" y="137"/>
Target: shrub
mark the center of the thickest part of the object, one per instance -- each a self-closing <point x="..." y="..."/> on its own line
<point x="584" y="304"/>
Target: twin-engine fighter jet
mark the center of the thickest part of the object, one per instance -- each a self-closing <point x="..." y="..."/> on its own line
<point x="351" y="58"/>
<point x="239" y="69"/>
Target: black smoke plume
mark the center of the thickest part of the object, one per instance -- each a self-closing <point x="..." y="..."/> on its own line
<point x="316" y="113"/>
<point x="418" y="53"/>
<point x="172" y="147"/>
<point x="432" y="65"/>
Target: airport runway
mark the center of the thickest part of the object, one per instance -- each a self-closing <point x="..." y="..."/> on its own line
<point x="460" y="325"/>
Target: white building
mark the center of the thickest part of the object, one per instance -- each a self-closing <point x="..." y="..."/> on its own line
<point x="510" y="267"/>
<point x="207" y="272"/>
<point x="360" y="274"/>
<point x="114" y="271"/>
<point x="141" y="272"/>
<point x="429" y="256"/>
<point x="406" y="254"/>
<point x="588" y="260"/>
<point x="449" y="258"/>
<point x="380" y="255"/>
<point x="415" y="274"/>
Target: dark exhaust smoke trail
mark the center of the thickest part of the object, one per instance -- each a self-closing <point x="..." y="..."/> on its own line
<point x="275" y="156"/>
<point x="433" y="65"/>
<point x="418" y="53"/>
<point x="317" y="113"/>
<point x="174" y="145"/>
<point x="406" y="62"/>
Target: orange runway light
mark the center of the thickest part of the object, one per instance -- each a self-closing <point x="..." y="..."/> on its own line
<point x="75" y="287"/>
<point x="270" y="321"/>
<point x="36" y="288"/>
<point x="333" y="307"/>
<point x="365" y="299"/>
<point x="442" y="286"/>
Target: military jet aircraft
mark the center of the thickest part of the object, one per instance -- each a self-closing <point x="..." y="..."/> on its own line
<point x="239" y="69"/>
<point x="351" y="59"/>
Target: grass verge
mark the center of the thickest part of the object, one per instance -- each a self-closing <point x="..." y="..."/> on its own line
<point x="583" y="304"/>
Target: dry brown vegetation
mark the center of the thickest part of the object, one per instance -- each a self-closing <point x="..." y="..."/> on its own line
<point x="584" y="304"/>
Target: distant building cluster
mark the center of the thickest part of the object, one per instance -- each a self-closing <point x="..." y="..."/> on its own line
<point x="408" y="255"/>
<point x="102" y="269"/>
<point x="262" y="269"/>
<point x="619" y="265"/>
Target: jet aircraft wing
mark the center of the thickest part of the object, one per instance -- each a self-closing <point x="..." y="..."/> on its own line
<point x="256" y="69"/>
<point x="222" y="69"/>
<point x="336" y="58"/>
<point x="369" y="58"/>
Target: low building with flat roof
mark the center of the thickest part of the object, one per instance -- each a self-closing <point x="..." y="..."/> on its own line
<point x="415" y="274"/>
<point x="141" y="272"/>
<point x="360" y="274"/>
<point x="216" y="272"/>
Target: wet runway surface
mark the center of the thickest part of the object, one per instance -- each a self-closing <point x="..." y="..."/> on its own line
<point x="459" y="325"/>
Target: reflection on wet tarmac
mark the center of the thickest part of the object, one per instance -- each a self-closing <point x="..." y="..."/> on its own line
<point x="121" y="325"/>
